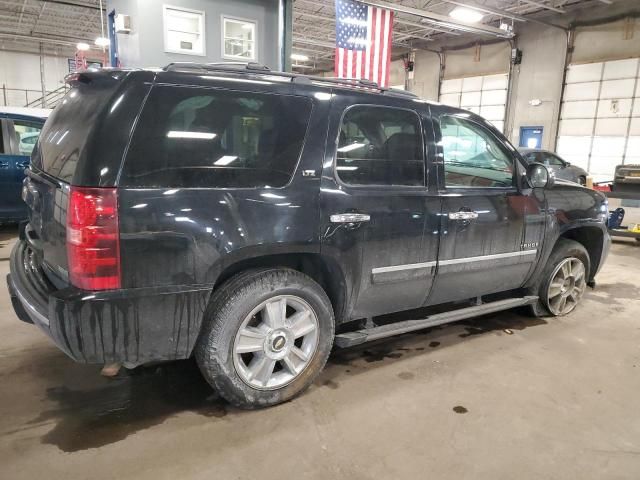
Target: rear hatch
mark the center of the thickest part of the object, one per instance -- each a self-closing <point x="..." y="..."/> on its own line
<point x="81" y="144"/>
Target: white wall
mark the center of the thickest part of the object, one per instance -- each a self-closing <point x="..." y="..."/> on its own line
<point x="21" y="71"/>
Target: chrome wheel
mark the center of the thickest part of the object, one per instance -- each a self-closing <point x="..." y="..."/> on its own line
<point x="275" y="342"/>
<point x="568" y="283"/>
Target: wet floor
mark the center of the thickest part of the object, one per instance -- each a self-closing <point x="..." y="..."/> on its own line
<point x="477" y="399"/>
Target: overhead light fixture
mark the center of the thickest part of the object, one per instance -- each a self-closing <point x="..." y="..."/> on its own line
<point x="466" y="15"/>
<point x="83" y="47"/>
<point x="299" y="57"/>
<point x="102" y="42"/>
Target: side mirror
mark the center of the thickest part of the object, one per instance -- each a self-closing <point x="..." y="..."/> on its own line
<point x="538" y="176"/>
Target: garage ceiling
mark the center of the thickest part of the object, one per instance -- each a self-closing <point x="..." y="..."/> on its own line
<point x="57" y="24"/>
<point x="60" y="24"/>
<point x="314" y="23"/>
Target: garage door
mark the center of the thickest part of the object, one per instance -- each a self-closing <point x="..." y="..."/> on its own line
<point x="485" y="95"/>
<point x="600" y="116"/>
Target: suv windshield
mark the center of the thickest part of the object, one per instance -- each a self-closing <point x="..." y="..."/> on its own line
<point x="195" y="137"/>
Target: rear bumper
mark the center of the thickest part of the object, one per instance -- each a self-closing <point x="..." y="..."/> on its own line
<point x="132" y="325"/>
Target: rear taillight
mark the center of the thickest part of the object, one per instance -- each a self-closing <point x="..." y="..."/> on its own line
<point x="93" y="239"/>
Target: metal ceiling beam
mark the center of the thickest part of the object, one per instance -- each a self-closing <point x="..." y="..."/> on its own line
<point x="52" y="41"/>
<point x="441" y="20"/>
<point x="397" y="19"/>
<point x="491" y="11"/>
<point x="427" y="27"/>
<point x="543" y="5"/>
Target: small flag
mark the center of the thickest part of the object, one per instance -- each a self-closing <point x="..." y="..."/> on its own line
<point x="363" y="41"/>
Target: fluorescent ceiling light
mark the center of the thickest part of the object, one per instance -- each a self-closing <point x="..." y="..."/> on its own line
<point x="300" y="57"/>
<point x="226" y="160"/>
<point x="83" y="47"/>
<point x="196" y="135"/>
<point x="102" y="42"/>
<point x="348" y="148"/>
<point x="466" y="15"/>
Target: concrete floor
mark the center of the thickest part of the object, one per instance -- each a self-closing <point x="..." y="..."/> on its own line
<point x="501" y="397"/>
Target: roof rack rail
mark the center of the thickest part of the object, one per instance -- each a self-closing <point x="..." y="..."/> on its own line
<point x="254" y="67"/>
<point x="362" y="82"/>
<point x="227" y="66"/>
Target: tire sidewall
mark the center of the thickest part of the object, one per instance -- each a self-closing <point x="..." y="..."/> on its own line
<point x="215" y="350"/>
<point x="565" y="249"/>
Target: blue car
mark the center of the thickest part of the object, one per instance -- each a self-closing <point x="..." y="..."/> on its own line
<point x="19" y="131"/>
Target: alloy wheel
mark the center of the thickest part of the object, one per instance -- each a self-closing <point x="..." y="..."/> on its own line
<point x="275" y="342"/>
<point x="567" y="286"/>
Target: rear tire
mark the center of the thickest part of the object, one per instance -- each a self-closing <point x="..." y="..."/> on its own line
<point x="563" y="280"/>
<point x="266" y="336"/>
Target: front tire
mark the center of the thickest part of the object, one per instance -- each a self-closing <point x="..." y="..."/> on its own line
<point x="266" y="336"/>
<point x="563" y="280"/>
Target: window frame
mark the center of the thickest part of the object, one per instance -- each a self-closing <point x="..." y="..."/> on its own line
<point x="203" y="28"/>
<point x="510" y="152"/>
<point x="223" y="21"/>
<point x="340" y="182"/>
<point x="296" y="170"/>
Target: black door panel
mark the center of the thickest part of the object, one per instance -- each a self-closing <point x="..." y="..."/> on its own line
<point x="491" y="226"/>
<point x="391" y="257"/>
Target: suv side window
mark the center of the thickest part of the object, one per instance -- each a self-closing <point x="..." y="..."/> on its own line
<point x="195" y="137"/>
<point x="472" y="156"/>
<point x="380" y="146"/>
<point x="553" y="160"/>
<point x="27" y="134"/>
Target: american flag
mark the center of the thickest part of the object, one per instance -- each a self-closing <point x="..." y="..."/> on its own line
<point x="363" y="41"/>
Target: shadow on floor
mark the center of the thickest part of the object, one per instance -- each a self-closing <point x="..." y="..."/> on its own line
<point x="91" y="411"/>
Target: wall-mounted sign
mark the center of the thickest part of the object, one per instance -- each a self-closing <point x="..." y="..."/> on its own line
<point x="75" y="65"/>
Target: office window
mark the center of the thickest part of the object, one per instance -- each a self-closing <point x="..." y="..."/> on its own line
<point x="183" y="31"/>
<point x="238" y="39"/>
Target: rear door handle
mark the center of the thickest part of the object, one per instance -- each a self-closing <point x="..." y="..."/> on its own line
<point x="463" y="215"/>
<point x="23" y="165"/>
<point x="349" y="218"/>
<point x="4" y="164"/>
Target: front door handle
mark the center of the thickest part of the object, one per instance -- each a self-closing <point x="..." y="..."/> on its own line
<point x="463" y="215"/>
<point x="4" y="164"/>
<point x="23" y="165"/>
<point x="349" y="218"/>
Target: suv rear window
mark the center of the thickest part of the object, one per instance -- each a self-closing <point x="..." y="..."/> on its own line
<point x="65" y="134"/>
<point x="197" y="137"/>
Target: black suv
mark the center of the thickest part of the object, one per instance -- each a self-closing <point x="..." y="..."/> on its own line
<point x="254" y="219"/>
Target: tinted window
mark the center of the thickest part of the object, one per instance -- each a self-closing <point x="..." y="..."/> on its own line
<point x="1" y="138"/>
<point x="66" y="133"/>
<point x="380" y="146"/>
<point x="26" y="135"/>
<point x="472" y="156"/>
<point x="193" y="137"/>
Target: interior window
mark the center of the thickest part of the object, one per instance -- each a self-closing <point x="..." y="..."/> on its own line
<point x="380" y="146"/>
<point x="27" y="134"/>
<point x="472" y="156"/>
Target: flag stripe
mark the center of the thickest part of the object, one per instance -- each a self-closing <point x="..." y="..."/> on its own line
<point x="385" y="50"/>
